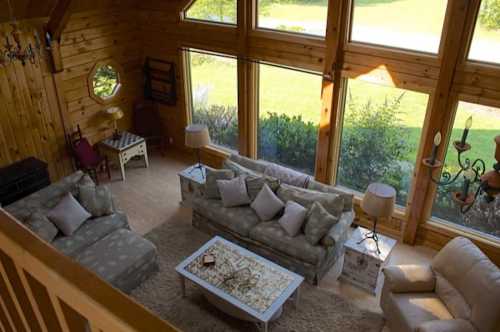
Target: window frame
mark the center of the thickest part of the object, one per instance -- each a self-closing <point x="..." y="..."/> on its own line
<point x="188" y="84"/>
<point x="398" y="50"/>
<point x="184" y="18"/>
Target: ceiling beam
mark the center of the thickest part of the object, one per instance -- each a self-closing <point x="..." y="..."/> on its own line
<point x="59" y="18"/>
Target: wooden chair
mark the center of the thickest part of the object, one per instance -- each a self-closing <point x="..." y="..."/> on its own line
<point x="86" y="157"/>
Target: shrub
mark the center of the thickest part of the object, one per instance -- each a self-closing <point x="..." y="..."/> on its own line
<point x="489" y="16"/>
<point x="222" y="123"/>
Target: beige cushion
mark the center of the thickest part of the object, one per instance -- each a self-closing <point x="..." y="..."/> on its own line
<point x="333" y="203"/>
<point x="452" y="298"/>
<point x="97" y="200"/>
<point x="287" y="175"/>
<point x="267" y="204"/>
<point x="255" y="184"/>
<point x="477" y="279"/>
<point x="451" y="325"/>
<point x="293" y="218"/>
<point x="68" y="215"/>
<point x="211" y="188"/>
<point x="318" y="224"/>
<point x="409" y="278"/>
<point x="39" y="224"/>
<point x="233" y="192"/>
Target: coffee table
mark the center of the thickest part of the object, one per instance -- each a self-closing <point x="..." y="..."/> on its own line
<point x="241" y="283"/>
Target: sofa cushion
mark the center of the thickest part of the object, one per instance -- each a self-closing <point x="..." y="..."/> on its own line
<point x="233" y="192"/>
<point x="123" y="258"/>
<point x="258" y="166"/>
<point x="68" y="215"/>
<point x="274" y="236"/>
<point x="267" y="205"/>
<point x="211" y="188"/>
<point x="293" y="218"/>
<point x="413" y="309"/>
<point x="39" y="224"/>
<point x="318" y="224"/>
<point x="452" y="298"/>
<point x="255" y="184"/>
<point x="89" y="233"/>
<point x="318" y="186"/>
<point x="287" y="175"/>
<point x="238" y="169"/>
<point x="237" y="219"/>
<point x="333" y="203"/>
<point x="97" y="200"/>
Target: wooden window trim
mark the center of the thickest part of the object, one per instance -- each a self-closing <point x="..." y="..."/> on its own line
<point x="186" y="19"/>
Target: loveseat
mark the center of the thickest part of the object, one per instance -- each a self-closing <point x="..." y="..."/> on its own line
<point x="459" y="291"/>
<point x="242" y="225"/>
<point x="105" y="245"/>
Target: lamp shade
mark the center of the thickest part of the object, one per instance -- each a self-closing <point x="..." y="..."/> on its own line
<point x="197" y="136"/>
<point x="114" y="113"/>
<point x="379" y="200"/>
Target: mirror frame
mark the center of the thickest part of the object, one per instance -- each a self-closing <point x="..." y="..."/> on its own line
<point x="90" y="81"/>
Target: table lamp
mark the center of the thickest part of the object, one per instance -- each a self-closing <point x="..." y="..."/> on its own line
<point x="378" y="202"/>
<point x="115" y="114"/>
<point x="197" y="137"/>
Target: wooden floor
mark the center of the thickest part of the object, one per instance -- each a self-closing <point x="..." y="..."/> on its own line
<point x="150" y="197"/>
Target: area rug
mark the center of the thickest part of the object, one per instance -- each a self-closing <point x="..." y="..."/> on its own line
<point x="319" y="310"/>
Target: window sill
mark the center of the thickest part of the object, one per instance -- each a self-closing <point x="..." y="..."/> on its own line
<point x="449" y="229"/>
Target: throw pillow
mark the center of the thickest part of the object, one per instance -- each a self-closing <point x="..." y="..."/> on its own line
<point x="293" y="218"/>
<point x="39" y="224"/>
<point x="267" y="204"/>
<point x="255" y="184"/>
<point x="211" y="189"/>
<point x="233" y="192"/>
<point x="287" y="175"/>
<point x="97" y="200"/>
<point x="319" y="223"/>
<point x="333" y="203"/>
<point x="68" y="215"/>
<point x="348" y="198"/>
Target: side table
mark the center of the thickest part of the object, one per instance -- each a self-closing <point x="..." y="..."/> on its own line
<point x="362" y="262"/>
<point x="192" y="180"/>
<point x="124" y="149"/>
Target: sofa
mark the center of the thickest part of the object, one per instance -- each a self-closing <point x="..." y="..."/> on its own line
<point x="104" y="245"/>
<point x="459" y="291"/>
<point x="268" y="239"/>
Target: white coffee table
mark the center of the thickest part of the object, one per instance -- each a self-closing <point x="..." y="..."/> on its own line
<point x="240" y="282"/>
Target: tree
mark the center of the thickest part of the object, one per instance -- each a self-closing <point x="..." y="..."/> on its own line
<point x="214" y="10"/>
<point x="489" y="16"/>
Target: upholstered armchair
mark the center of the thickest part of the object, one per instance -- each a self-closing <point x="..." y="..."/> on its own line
<point x="458" y="292"/>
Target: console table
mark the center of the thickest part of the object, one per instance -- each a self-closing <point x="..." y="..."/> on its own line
<point x="21" y="179"/>
<point x="123" y="149"/>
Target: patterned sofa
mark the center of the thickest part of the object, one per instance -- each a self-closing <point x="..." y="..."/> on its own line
<point x="241" y="225"/>
<point x="104" y="245"/>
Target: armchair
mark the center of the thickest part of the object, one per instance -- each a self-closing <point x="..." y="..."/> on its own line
<point x="458" y="292"/>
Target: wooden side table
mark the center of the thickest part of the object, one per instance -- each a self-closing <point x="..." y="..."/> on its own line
<point x="192" y="180"/>
<point x="124" y="149"/>
<point x="362" y="262"/>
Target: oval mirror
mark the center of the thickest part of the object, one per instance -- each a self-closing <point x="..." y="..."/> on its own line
<point x="104" y="81"/>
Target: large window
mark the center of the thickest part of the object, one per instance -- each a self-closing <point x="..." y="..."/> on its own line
<point x="289" y="115"/>
<point x="219" y="11"/>
<point x="214" y="96"/>
<point x="485" y="126"/>
<point x="298" y="16"/>
<point x="380" y="137"/>
<point x="407" y="24"/>
<point x="486" y="42"/>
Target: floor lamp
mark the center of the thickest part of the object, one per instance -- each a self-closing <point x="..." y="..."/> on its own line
<point x="197" y="137"/>
<point x="378" y="202"/>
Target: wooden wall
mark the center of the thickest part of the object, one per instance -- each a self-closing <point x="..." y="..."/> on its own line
<point x="30" y="122"/>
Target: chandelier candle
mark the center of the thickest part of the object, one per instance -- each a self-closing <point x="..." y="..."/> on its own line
<point x="468" y="125"/>
<point x="437" y="142"/>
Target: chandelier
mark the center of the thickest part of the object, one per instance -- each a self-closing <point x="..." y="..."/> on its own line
<point x="473" y="172"/>
<point x="13" y="50"/>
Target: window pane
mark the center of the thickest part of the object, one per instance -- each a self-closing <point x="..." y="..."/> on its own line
<point x="486" y="42"/>
<point x="408" y="24"/>
<point x="289" y="115"/>
<point x="380" y="137"/>
<point x="214" y="88"/>
<point x="299" y="16"/>
<point x="221" y="11"/>
<point x="485" y="126"/>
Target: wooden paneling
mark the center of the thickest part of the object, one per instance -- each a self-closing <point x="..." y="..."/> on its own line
<point x="30" y="123"/>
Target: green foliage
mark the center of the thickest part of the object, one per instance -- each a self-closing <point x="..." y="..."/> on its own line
<point x="289" y="141"/>
<point x="374" y="146"/>
<point x="222" y="123"/>
<point x="105" y="81"/>
<point x="489" y="16"/>
<point x="214" y="10"/>
<point x="294" y="28"/>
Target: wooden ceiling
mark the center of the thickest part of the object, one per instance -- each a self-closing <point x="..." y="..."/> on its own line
<point x="28" y="9"/>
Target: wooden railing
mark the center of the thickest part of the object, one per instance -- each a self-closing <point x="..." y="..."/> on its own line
<point x="42" y="290"/>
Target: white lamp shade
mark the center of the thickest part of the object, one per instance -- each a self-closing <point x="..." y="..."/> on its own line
<point x="197" y="136"/>
<point x="379" y="200"/>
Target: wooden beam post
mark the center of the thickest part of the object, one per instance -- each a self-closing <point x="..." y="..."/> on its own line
<point x="243" y="85"/>
<point x="57" y="22"/>
<point x="336" y="34"/>
<point x="441" y="114"/>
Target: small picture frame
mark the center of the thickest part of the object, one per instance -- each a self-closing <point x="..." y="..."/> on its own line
<point x="208" y="260"/>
